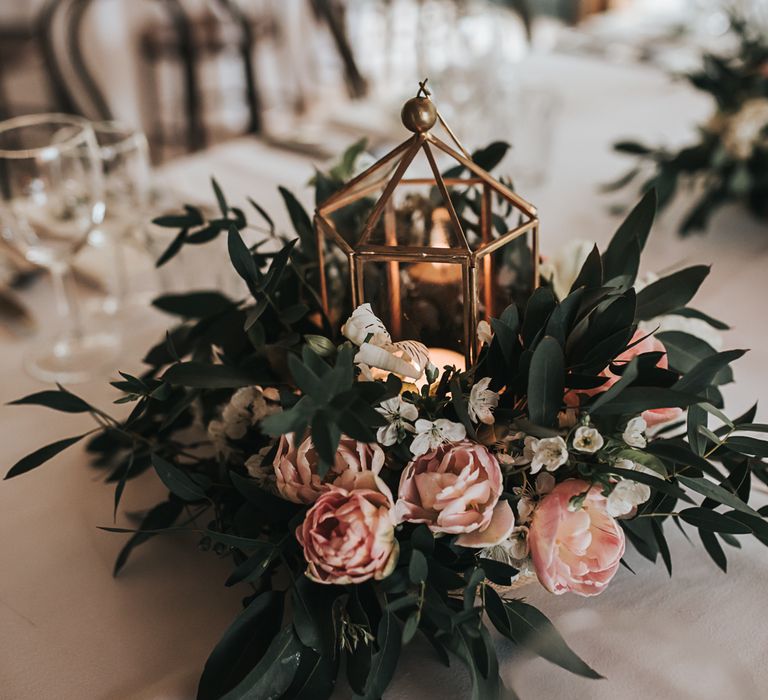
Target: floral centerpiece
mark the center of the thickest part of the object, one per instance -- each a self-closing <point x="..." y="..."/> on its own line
<point x="366" y="496"/>
<point x="729" y="162"/>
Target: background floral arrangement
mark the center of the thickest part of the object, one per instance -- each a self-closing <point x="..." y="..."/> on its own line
<point x="365" y="496"/>
<point x="730" y="160"/>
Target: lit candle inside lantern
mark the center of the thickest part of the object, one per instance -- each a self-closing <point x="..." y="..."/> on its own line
<point x="440" y="357"/>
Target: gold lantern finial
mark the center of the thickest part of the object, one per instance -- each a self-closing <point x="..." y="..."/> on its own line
<point x="419" y="114"/>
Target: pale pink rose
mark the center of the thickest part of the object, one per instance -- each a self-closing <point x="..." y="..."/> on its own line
<point x="455" y="489"/>
<point x="355" y="466"/>
<point x="649" y="344"/>
<point x="577" y="551"/>
<point x="349" y="537"/>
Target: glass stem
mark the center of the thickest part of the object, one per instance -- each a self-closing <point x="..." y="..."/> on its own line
<point x="66" y="301"/>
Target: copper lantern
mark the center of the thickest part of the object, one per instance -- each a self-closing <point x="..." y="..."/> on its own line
<point x="435" y="248"/>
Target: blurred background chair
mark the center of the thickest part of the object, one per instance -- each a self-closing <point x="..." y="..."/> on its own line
<point x="192" y="73"/>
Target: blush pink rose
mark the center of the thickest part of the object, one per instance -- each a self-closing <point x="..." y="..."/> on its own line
<point x="349" y="537"/>
<point x="356" y="465"/>
<point x="577" y="551"/>
<point x="650" y="343"/>
<point x="455" y="489"/>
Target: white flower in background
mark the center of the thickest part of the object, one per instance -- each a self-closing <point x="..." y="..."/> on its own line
<point x="482" y="401"/>
<point x="484" y="332"/>
<point x="405" y="358"/>
<point x="628" y="494"/>
<point x="399" y="415"/>
<point x="431" y="434"/>
<point x="587" y="439"/>
<point x="247" y="407"/>
<point x="549" y="453"/>
<point x="634" y="433"/>
<point x="746" y="128"/>
<point x="562" y="269"/>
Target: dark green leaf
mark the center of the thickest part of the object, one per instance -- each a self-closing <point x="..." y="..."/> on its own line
<point x="200" y="375"/>
<point x="241" y="646"/>
<point x="159" y="518"/>
<point x="193" y="304"/>
<point x="42" y="455"/>
<point x="301" y="222"/>
<point x="621" y="255"/>
<point x="715" y="551"/>
<point x="384" y="661"/>
<point x="417" y="567"/>
<point x="220" y="198"/>
<point x="670" y="293"/>
<point x="61" y="400"/>
<point x="707" y="519"/>
<point x="546" y="379"/>
<point x="716" y="493"/>
<point x="274" y="673"/>
<point x="530" y="627"/>
<point x="188" y="487"/>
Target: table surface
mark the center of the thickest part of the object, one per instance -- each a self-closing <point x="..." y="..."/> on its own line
<point x="69" y="630"/>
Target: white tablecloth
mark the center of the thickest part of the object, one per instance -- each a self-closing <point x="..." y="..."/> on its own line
<point x="68" y="630"/>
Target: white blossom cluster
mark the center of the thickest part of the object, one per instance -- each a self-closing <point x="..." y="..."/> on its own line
<point x="245" y="409"/>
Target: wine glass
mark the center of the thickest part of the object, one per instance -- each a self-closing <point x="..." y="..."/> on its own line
<point x="51" y="198"/>
<point x="124" y="155"/>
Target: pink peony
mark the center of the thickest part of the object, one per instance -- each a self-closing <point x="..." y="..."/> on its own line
<point x="579" y="550"/>
<point x="649" y="344"/>
<point x="349" y="537"/>
<point x="356" y="465"/>
<point x="455" y="489"/>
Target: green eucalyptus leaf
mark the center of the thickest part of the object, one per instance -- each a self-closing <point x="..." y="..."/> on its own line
<point x="41" y="455"/>
<point x="384" y="661"/>
<point x="530" y="627"/>
<point x="670" y="293"/>
<point x="199" y="375"/>
<point x="706" y="519"/>
<point x="61" y="400"/>
<point x="242" y="646"/>
<point x="185" y="485"/>
<point x="198" y="304"/>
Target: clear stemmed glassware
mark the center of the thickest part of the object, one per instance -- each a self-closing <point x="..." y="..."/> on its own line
<point x="124" y="155"/>
<point x="51" y="199"/>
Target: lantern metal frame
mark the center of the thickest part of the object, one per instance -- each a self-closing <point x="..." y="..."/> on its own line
<point x="473" y="262"/>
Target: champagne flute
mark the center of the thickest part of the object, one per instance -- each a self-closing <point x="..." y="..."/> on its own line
<point x="51" y="198"/>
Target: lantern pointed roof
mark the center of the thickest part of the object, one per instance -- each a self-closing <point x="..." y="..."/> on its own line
<point x="381" y="179"/>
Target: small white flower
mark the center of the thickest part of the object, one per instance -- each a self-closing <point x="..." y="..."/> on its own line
<point x="511" y="551"/>
<point x="399" y="415"/>
<point x="484" y="332"/>
<point x="431" y="434"/>
<point x="264" y="474"/>
<point x="626" y="496"/>
<point x="545" y="482"/>
<point x="633" y="434"/>
<point x="549" y="453"/>
<point x="587" y="439"/>
<point x="482" y="401"/>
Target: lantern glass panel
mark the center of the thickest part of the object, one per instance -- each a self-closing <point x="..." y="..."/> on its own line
<point x="421" y="300"/>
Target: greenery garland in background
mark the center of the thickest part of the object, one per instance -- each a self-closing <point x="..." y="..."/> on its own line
<point x="730" y="160"/>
